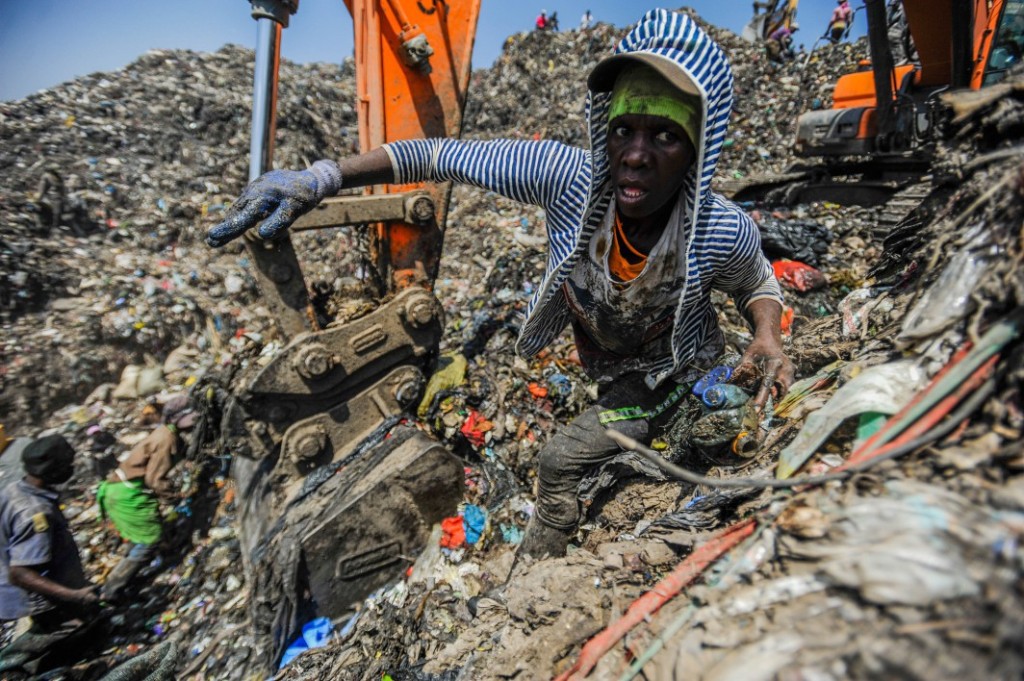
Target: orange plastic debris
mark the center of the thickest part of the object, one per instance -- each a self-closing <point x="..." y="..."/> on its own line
<point x="787" y="319"/>
<point x="453" y="535"/>
<point x="475" y="428"/>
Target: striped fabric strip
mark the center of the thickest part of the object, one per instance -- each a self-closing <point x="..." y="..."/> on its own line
<point x="571" y="185"/>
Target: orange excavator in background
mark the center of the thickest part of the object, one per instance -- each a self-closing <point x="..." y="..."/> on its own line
<point x="335" y="494"/>
<point x="877" y="137"/>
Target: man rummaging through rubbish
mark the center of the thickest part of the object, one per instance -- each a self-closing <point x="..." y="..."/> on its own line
<point x="779" y="45"/>
<point x="637" y="241"/>
<point x="41" y="575"/>
<point x="130" y="496"/>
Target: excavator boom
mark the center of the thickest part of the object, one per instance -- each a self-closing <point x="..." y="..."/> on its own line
<point x="334" y="493"/>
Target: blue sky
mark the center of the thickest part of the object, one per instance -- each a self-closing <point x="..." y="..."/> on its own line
<point x="47" y="42"/>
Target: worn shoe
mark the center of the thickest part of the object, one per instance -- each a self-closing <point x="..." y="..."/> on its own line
<point x="543" y="541"/>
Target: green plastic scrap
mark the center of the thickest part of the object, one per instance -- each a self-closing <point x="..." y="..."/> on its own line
<point x="870" y="423"/>
<point x="883" y="388"/>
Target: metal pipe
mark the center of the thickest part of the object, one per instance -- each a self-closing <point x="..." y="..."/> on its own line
<point x="277" y="269"/>
<point x="882" y="66"/>
<point x="264" y="96"/>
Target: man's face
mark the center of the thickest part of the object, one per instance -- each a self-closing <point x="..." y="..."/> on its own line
<point x="60" y="474"/>
<point x="650" y="157"/>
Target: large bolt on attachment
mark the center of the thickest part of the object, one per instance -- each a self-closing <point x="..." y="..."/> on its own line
<point x="307" y="443"/>
<point x="420" y="209"/>
<point x="313" y="361"/>
<point x="419" y="311"/>
<point x="406" y="392"/>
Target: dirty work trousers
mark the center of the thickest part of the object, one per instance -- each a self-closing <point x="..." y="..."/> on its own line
<point x="139" y="556"/>
<point x="629" y="407"/>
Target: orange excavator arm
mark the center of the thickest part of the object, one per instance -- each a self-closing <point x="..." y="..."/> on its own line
<point x="413" y="68"/>
<point x="314" y="415"/>
<point x="412" y="72"/>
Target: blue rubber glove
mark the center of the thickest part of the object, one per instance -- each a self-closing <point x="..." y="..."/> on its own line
<point x="277" y="198"/>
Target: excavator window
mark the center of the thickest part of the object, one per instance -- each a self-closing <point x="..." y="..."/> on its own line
<point x="1008" y="45"/>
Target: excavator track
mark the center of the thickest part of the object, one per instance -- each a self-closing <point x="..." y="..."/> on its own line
<point x="898" y="209"/>
<point x="867" y="183"/>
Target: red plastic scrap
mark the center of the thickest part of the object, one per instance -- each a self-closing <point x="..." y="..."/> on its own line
<point x="798" y="275"/>
<point x="537" y="390"/>
<point x="475" y="428"/>
<point x="642" y="608"/>
<point x="453" y="534"/>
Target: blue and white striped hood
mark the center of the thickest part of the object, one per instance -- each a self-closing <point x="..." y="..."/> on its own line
<point x="678" y="39"/>
<point x="719" y="244"/>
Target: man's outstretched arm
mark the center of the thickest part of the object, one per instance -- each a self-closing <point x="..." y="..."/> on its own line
<point x="277" y="198"/>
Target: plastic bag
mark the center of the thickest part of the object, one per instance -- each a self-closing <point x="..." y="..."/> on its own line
<point x="798" y="275"/>
<point x="949" y="298"/>
<point x="314" y="635"/>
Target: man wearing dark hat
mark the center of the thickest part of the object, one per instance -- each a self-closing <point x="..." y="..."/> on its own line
<point x="130" y="496"/>
<point x="41" y="575"/>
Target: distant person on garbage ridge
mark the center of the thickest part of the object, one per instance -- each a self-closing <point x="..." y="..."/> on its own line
<point x="779" y="45"/>
<point x="637" y="241"/>
<point x="542" y="20"/>
<point x="586" y="21"/>
<point x="49" y="201"/>
<point x="41" y="575"/>
<point x="840" y="21"/>
<point x="553" y="22"/>
<point x="130" y="496"/>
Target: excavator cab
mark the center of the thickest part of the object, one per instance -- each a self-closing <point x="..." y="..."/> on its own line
<point x="335" y="493"/>
<point x="1006" y="46"/>
<point x="886" y="111"/>
<point x="876" y="139"/>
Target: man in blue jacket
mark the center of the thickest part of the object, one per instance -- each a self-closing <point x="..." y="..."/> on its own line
<point x="637" y="241"/>
<point x="41" y="575"/>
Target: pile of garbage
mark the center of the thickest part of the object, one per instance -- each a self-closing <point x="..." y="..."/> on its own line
<point x="108" y="181"/>
<point x="907" y="566"/>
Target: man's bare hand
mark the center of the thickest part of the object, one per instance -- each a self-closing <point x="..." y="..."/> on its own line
<point x="766" y="369"/>
<point x="88" y="595"/>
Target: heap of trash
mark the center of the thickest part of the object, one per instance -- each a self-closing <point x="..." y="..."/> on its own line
<point x="876" y="532"/>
